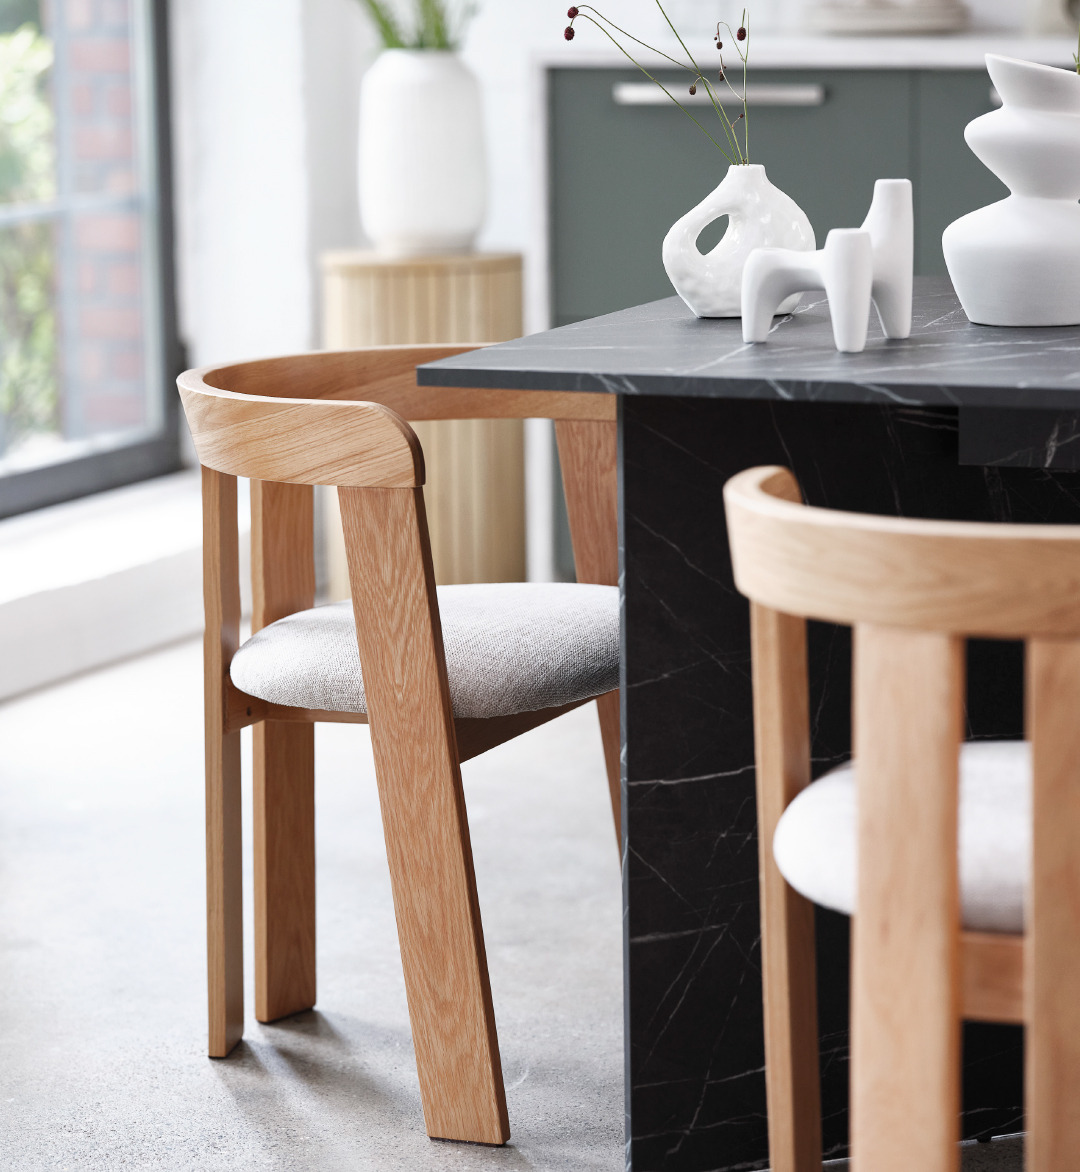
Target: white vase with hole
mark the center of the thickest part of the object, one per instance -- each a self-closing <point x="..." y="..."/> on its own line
<point x="1017" y="262"/>
<point x="759" y="216"/>
<point x="422" y="168"/>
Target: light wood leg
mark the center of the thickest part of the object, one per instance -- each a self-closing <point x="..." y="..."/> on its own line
<point x="283" y="582"/>
<point x="284" y="868"/>
<point x="224" y="859"/>
<point x="905" y="1046"/>
<point x="1053" y="931"/>
<point x="782" y="746"/>
<point x="607" y="707"/>
<point x="423" y="810"/>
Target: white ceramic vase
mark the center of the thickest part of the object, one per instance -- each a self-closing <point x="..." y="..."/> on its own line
<point x="1017" y="262"/>
<point x="759" y="216"/>
<point x="422" y="174"/>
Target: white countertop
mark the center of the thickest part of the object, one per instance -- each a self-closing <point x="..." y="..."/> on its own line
<point x="958" y="51"/>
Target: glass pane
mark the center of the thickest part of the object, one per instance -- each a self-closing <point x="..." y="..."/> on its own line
<point x="78" y="298"/>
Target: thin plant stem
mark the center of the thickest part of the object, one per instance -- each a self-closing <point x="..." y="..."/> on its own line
<point x="656" y="81"/>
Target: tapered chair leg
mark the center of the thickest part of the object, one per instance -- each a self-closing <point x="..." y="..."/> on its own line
<point x="224" y="882"/>
<point x="1052" y="950"/>
<point x="905" y="997"/>
<point x="284" y="785"/>
<point x="423" y="811"/>
<point x="607" y="707"/>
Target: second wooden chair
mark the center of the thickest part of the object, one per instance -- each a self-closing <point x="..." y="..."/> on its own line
<point x="959" y="861"/>
<point x="446" y="675"/>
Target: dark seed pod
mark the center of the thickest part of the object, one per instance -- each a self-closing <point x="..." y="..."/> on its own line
<point x="741" y="34"/>
<point x="719" y="44"/>
<point x="572" y="12"/>
<point x="693" y="90"/>
<point x="720" y="75"/>
<point x="568" y="33"/>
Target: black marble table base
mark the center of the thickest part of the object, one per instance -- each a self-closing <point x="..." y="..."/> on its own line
<point x="695" y="1083"/>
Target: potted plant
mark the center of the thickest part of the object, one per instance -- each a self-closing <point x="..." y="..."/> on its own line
<point x="422" y="167"/>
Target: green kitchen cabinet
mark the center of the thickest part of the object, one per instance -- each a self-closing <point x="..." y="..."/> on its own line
<point x="620" y="175"/>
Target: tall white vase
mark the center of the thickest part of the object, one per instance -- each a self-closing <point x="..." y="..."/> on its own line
<point x="1017" y="262"/>
<point x="759" y="216"/>
<point x="422" y="175"/>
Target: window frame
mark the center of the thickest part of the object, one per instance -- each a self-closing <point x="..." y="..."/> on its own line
<point x="160" y="454"/>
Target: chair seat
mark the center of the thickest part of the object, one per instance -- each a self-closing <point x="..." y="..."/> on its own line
<point x="815" y="848"/>
<point x="510" y="647"/>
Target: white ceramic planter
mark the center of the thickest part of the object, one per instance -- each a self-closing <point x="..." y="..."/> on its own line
<point x="1017" y="262"/>
<point x="759" y="216"/>
<point x="422" y="174"/>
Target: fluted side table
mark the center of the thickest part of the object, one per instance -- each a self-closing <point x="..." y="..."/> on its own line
<point x="477" y="531"/>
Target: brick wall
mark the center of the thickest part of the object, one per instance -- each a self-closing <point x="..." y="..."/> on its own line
<point x="102" y="317"/>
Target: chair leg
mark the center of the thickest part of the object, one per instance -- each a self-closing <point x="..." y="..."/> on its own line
<point x="284" y="785"/>
<point x="1052" y="949"/>
<point x="905" y="999"/>
<point x="789" y="983"/>
<point x="423" y="811"/>
<point x="607" y="707"/>
<point x="224" y="893"/>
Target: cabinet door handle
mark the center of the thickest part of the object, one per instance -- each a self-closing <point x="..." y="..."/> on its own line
<point x="645" y="93"/>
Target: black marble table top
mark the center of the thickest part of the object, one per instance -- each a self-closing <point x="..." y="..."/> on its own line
<point x="662" y="349"/>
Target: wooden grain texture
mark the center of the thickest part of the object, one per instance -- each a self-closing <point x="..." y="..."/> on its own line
<point x="476" y="735"/>
<point x="424" y="818"/>
<point x="905" y="1000"/>
<point x="475" y="468"/>
<point x="300" y="441"/>
<point x="224" y="879"/>
<point x="782" y="752"/>
<point x="283" y="582"/>
<point x="588" y="456"/>
<point x="992" y="977"/>
<point x="1008" y="581"/>
<point x="1052" y="1071"/>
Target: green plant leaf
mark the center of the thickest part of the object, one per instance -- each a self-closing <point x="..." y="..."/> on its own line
<point x="386" y="23"/>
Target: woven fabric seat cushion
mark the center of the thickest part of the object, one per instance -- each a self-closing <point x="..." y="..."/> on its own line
<point x="510" y="647"/>
<point x="814" y="845"/>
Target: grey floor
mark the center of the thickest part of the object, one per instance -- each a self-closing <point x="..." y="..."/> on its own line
<point x="102" y="953"/>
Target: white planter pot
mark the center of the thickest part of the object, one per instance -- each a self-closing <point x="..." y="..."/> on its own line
<point x="1017" y="262"/>
<point x="759" y="216"/>
<point x="422" y="179"/>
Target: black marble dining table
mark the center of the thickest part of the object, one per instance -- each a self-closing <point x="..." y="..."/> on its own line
<point x="958" y="421"/>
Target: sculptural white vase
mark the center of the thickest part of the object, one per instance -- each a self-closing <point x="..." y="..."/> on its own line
<point x="422" y="171"/>
<point x="1017" y="262"/>
<point x="759" y="216"/>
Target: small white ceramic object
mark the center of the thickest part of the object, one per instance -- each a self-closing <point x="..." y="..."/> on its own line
<point x="1017" y="262"/>
<point x="759" y="215"/>
<point x="857" y="266"/>
<point x="422" y="168"/>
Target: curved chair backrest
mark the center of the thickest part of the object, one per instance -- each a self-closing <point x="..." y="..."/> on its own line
<point x="913" y="590"/>
<point x="970" y="578"/>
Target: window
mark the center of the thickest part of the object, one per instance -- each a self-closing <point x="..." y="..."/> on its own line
<point x="87" y="321"/>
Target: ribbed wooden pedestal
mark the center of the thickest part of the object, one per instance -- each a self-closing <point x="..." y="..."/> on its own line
<point x="475" y="491"/>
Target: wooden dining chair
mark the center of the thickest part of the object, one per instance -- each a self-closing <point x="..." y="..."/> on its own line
<point x="960" y="862"/>
<point x="447" y="674"/>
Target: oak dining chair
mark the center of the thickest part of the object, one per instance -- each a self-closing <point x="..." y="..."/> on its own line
<point x="960" y="863"/>
<point x="448" y="673"/>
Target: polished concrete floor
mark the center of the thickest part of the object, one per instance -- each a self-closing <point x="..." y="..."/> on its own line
<point x="102" y="953"/>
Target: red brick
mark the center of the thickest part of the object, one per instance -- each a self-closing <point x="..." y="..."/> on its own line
<point x="100" y="54"/>
<point x="88" y="276"/>
<point x="127" y="364"/>
<point x="115" y="14"/>
<point x="82" y="98"/>
<point x="118" y="100"/>
<point x="98" y="322"/>
<point x="116" y="233"/>
<point x="103" y="412"/>
<point x="79" y="14"/>
<point x="124" y="280"/>
<point x="120" y="180"/>
<point x="103" y="142"/>
<point x="91" y="363"/>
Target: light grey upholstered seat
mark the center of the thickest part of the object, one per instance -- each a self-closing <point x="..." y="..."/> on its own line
<point x="814" y="844"/>
<point x="510" y="647"/>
